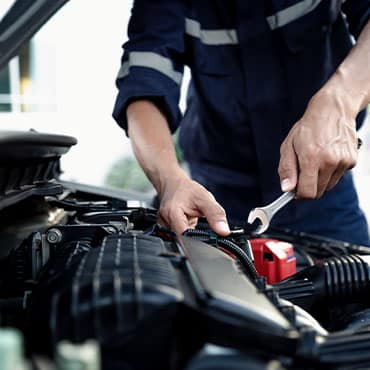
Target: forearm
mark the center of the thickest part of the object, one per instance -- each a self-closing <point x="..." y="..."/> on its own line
<point x="182" y="200"/>
<point x="350" y="84"/>
<point x="152" y="143"/>
<point x="322" y="145"/>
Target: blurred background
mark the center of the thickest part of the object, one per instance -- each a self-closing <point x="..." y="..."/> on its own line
<point x="63" y="82"/>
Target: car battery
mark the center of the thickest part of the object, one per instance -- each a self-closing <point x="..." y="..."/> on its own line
<point x="273" y="259"/>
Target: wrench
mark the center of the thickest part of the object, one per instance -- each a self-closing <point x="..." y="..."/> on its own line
<point x="265" y="214"/>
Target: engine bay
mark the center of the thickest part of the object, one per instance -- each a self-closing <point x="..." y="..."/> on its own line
<point x="79" y="265"/>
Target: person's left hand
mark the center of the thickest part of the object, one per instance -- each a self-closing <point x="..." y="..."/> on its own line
<point x="319" y="148"/>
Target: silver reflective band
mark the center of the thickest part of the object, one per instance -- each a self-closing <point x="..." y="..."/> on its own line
<point x="152" y="60"/>
<point x="211" y="37"/>
<point x="292" y="13"/>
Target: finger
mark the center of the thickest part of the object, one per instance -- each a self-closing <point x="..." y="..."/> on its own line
<point x="351" y="161"/>
<point x="162" y="222"/>
<point x="336" y="176"/>
<point x="173" y="218"/>
<point x="344" y="165"/>
<point x="288" y="167"/>
<point x="330" y="164"/>
<point x="179" y="221"/>
<point x="323" y="181"/>
<point x="215" y="215"/>
<point x="307" y="182"/>
<point x="192" y="222"/>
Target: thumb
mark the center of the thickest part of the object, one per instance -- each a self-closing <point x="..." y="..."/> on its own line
<point x="215" y="215"/>
<point x="288" y="167"/>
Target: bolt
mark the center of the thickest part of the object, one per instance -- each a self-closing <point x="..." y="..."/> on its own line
<point x="54" y="236"/>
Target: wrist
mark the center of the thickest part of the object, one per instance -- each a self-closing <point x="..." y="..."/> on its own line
<point x="170" y="177"/>
<point x="334" y="101"/>
<point x="344" y="94"/>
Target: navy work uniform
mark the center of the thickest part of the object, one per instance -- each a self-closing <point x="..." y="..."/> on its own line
<point x="255" y="65"/>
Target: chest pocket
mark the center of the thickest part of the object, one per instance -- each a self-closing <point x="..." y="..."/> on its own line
<point x="304" y="23"/>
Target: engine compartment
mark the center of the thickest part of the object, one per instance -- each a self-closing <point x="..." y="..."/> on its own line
<point x="91" y="266"/>
<point x="79" y="263"/>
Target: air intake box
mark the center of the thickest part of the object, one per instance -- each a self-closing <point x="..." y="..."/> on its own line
<point x="152" y="303"/>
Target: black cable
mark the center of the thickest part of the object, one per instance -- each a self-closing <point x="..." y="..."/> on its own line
<point x="243" y="258"/>
<point x="309" y="260"/>
<point x="211" y="238"/>
<point x="201" y="235"/>
<point x="197" y="232"/>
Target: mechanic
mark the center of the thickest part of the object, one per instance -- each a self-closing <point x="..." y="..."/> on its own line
<point x="277" y="91"/>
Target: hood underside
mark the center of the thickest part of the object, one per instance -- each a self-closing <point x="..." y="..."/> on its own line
<point x="21" y="22"/>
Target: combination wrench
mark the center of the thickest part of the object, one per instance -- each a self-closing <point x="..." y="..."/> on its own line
<point x="265" y="214"/>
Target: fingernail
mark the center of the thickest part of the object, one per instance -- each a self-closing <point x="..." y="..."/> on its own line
<point x="286" y="185"/>
<point x="223" y="226"/>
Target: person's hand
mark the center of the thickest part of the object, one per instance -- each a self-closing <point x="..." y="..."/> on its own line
<point x="319" y="148"/>
<point x="183" y="200"/>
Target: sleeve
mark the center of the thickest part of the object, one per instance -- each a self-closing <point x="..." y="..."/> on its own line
<point x="357" y="13"/>
<point x="153" y="59"/>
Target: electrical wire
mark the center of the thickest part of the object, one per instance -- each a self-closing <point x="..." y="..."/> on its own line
<point x="214" y="239"/>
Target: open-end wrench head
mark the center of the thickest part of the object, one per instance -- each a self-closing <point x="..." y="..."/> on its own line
<point x="260" y="214"/>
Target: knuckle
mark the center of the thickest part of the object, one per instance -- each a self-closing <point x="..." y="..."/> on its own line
<point x="283" y="168"/>
<point x="164" y="212"/>
<point x="221" y="212"/>
<point x="310" y="148"/>
<point x="202" y="194"/>
<point x="350" y="162"/>
<point x="283" y="147"/>
<point x="330" y="160"/>
<point x="171" y="216"/>
<point x="309" y="168"/>
<point x="311" y="153"/>
<point x="211" y="196"/>
<point x="310" y="158"/>
<point x="218" y="211"/>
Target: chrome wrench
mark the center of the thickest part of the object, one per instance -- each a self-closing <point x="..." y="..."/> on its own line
<point x="265" y="214"/>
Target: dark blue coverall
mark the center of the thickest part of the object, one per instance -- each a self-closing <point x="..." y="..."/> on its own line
<point x="255" y="65"/>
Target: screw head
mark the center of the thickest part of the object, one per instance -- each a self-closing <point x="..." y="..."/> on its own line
<point x="54" y="236"/>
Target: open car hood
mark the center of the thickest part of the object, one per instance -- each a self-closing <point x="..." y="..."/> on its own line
<point x="23" y="19"/>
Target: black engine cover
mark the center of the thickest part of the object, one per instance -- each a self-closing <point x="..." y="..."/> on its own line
<point x="152" y="303"/>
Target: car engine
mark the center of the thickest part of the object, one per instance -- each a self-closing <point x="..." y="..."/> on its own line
<point x="90" y="265"/>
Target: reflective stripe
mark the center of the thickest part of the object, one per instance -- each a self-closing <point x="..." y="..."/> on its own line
<point x="292" y="13"/>
<point x="211" y="37"/>
<point x="152" y="60"/>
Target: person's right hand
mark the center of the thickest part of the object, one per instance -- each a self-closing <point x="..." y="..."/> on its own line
<point x="183" y="200"/>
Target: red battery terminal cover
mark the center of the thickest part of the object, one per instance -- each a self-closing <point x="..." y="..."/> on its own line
<point x="273" y="259"/>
